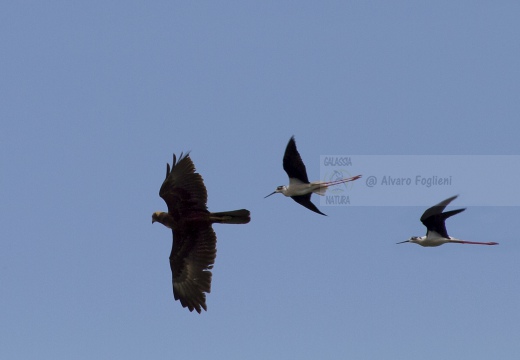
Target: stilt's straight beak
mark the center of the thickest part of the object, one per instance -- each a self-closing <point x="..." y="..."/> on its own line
<point x="403" y="242"/>
<point x="274" y="192"/>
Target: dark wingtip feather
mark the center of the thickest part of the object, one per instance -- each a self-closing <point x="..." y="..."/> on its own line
<point x="181" y="156"/>
<point x="167" y="169"/>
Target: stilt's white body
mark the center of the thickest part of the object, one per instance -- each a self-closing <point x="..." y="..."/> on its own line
<point x="297" y="187"/>
<point x="433" y="239"/>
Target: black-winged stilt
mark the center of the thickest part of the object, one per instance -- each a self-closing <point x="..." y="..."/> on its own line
<point x="434" y="218"/>
<point x="300" y="189"/>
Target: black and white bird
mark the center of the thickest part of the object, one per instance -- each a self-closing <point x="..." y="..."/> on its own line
<point x="299" y="188"/>
<point x="434" y="218"/>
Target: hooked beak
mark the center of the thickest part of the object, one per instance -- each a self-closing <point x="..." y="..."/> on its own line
<point x="274" y="192"/>
<point x="153" y="220"/>
<point x="402" y="242"/>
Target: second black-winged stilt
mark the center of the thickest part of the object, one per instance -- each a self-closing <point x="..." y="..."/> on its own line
<point x="434" y="218"/>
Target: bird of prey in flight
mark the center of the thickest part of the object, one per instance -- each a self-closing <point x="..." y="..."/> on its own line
<point x="194" y="241"/>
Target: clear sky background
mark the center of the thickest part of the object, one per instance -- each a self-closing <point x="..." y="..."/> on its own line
<point x="96" y="96"/>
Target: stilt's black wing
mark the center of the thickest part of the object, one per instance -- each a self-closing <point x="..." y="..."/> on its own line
<point x="438" y="208"/>
<point x="434" y="218"/>
<point x="305" y="200"/>
<point x="293" y="164"/>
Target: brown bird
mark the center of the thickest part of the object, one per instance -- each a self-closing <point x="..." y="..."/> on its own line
<point x="194" y="241"/>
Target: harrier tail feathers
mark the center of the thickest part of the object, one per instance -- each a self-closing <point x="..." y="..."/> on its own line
<point x="241" y="216"/>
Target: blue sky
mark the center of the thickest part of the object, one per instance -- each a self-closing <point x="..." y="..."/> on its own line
<point x="95" y="98"/>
